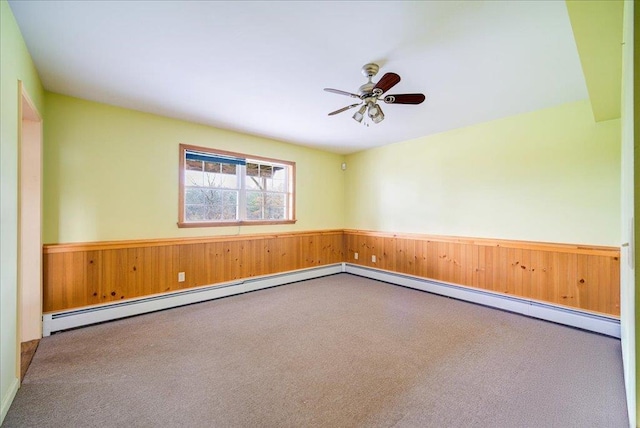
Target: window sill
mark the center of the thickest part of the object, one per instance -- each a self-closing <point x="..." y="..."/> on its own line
<point x="234" y="223"/>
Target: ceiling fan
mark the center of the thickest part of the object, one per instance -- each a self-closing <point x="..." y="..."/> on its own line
<point x="370" y="93"/>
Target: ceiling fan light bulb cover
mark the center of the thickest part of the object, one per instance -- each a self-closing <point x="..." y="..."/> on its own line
<point x="375" y="113"/>
<point x="374" y="110"/>
<point x="359" y="115"/>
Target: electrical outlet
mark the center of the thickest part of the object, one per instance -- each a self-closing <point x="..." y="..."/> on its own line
<point x="181" y="277"/>
<point x="373" y="259"/>
<point x="355" y="256"/>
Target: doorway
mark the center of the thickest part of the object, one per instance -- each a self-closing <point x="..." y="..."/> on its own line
<point x="29" y="229"/>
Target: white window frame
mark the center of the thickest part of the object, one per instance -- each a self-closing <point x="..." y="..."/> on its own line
<point x="242" y="188"/>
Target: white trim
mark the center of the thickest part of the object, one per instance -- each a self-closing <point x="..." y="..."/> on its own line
<point x="574" y="318"/>
<point x="64" y="320"/>
<point x="8" y="399"/>
<point x="628" y="292"/>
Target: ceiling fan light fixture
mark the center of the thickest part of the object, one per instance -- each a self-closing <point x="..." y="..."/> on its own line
<point x="359" y="115"/>
<point x="375" y="113"/>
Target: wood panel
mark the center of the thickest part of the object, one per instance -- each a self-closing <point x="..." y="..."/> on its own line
<point x="77" y="275"/>
<point x="577" y="276"/>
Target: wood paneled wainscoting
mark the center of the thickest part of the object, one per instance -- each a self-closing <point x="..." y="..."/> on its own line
<point x="581" y="277"/>
<point x="576" y="276"/>
<point x="77" y="275"/>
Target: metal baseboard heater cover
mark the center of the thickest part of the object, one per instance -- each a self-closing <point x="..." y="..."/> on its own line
<point x="608" y="326"/>
<point x="64" y="320"/>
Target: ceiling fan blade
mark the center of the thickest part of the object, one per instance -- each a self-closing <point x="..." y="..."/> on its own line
<point x="387" y="82"/>
<point x="344" y="109"/>
<point x="404" y="99"/>
<point x="339" y="92"/>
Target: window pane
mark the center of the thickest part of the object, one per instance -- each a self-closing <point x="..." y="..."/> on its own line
<point x="230" y="181"/>
<point x="254" y="183"/>
<point x="266" y="171"/>
<point x="220" y="180"/>
<point x="214" y="197"/>
<point x="212" y="166"/>
<point x="194" y="212"/>
<point x="230" y="198"/>
<point x="276" y="185"/>
<point x="252" y="170"/>
<point x="210" y="180"/>
<point x="255" y="204"/>
<point x="194" y="196"/>
<point x="266" y="206"/>
<point x="205" y="204"/>
<point x="193" y="178"/>
<point x="275" y="204"/>
<point x="230" y="212"/>
<point x="194" y="165"/>
<point x="228" y="168"/>
<point x="214" y="212"/>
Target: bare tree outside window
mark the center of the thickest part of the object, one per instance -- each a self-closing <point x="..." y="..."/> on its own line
<point x="211" y="191"/>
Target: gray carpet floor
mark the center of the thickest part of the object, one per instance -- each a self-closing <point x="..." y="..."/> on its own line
<point x="339" y="351"/>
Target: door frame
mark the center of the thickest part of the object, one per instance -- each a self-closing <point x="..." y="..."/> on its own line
<point x="29" y="274"/>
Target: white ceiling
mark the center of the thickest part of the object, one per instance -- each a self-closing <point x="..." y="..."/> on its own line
<point x="260" y="67"/>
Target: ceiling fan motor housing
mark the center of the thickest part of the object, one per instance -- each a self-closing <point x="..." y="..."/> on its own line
<point x="370" y="70"/>
<point x="366" y="89"/>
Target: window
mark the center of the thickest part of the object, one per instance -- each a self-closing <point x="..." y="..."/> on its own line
<point x="219" y="188"/>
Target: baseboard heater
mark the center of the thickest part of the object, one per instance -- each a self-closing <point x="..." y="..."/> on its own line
<point x="597" y="323"/>
<point x="65" y="320"/>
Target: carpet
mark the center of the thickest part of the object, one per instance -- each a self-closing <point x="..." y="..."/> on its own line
<point x="338" y="351"/>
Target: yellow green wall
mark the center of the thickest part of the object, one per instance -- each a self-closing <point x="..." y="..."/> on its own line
<point x="551" y="175"/>
<point x="112" y="173"/>
<point x="597" y="28"/>
<point x="15" y="65"/>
